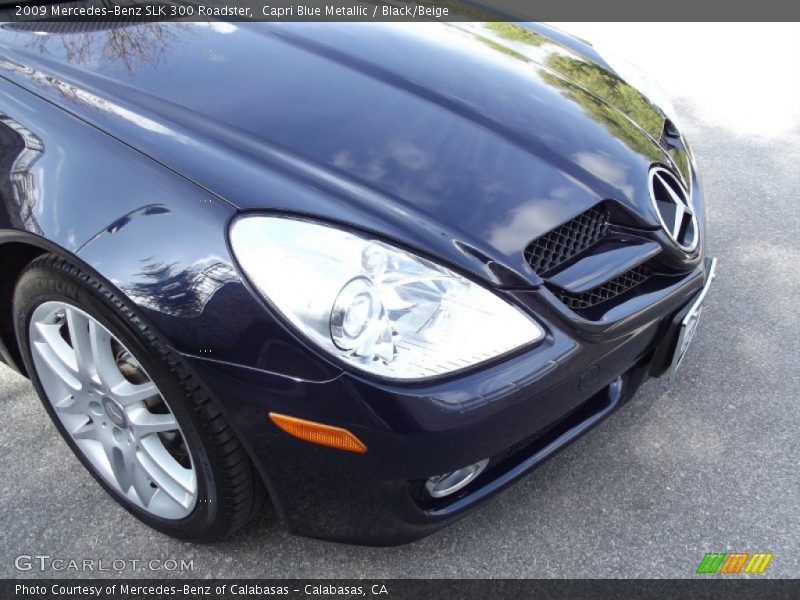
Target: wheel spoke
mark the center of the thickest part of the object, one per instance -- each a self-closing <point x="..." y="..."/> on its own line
<point x="104" y="364"/>
<point x="121" y="465"/>
<point x="56" y="364"/>
<point x="78" y="325"/>
<point x="73" y="405"/>
<point x="145" y="423"/>
<point x="141" y="484"/>
<point x="127" y="393"/>
<point x="175" y="481"/>
<point x="87" y="431"/>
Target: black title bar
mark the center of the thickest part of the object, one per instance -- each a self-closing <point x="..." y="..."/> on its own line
<point x="400" y="10"/>
<point x="394" y="589"/>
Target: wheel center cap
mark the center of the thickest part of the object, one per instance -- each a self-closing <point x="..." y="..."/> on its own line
<point x="115" y="412"/>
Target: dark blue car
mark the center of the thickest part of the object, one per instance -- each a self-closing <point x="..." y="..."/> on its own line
<point x="374" y="272"/>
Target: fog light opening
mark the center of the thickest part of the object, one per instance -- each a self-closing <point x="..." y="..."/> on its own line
<point x="439" y="486"/>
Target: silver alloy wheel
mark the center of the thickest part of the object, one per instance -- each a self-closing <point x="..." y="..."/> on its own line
<point x="112" y="410"/>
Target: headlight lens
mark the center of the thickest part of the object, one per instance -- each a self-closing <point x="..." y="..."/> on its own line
<point x="379" y="308"/>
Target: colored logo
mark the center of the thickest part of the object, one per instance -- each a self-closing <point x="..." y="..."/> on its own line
<point x="734" y="562"/>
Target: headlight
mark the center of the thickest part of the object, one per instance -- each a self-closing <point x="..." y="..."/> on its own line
<point x="380" y="309"/>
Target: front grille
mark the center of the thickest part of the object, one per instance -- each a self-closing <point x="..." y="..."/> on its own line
<point x="567" y="241"/>
<point x="608" y="291"/>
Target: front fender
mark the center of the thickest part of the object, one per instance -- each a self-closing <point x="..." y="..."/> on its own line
<point x="148" y="233"/>
<point x="156" y="237"/>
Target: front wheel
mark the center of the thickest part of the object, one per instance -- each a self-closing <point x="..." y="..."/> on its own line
<point x="129" y="408"/>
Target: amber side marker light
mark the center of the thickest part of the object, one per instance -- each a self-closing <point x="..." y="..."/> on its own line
<point x="317" y="433"/>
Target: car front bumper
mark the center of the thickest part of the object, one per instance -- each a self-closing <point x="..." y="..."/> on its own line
<point x="517" y="412"/>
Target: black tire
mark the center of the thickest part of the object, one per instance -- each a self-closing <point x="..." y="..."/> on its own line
<point x="229" y="489"/>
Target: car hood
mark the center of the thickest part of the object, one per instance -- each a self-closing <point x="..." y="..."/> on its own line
<point x="466" y="140"/>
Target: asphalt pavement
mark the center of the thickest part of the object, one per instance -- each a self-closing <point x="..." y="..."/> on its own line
<point x="706" y="463"/>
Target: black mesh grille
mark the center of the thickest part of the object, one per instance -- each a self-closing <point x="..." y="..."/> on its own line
<point x="567" y="241"/>
<point x="609" y="290"/>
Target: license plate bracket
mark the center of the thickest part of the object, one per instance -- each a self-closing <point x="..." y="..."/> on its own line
<point x="688" y="325"/>
<point x="670" y="353"/>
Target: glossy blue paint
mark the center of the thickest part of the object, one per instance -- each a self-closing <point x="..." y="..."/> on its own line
<point x="429" y="134"/>
<point x="463" y="142"/>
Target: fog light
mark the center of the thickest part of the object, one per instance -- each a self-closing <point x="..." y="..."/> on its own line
<point x="444" y="485"/>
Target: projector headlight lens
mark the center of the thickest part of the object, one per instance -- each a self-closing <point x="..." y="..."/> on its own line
<point x="379" y="308"/>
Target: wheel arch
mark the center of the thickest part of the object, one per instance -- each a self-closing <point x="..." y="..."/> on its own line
<point x="17" y="250"/>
